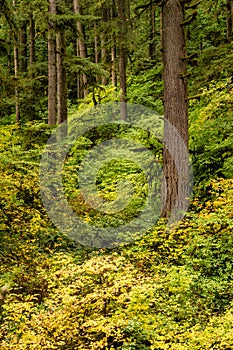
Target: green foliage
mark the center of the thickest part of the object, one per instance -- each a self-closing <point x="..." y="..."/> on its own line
<point x="211" y="141"/>
<point x="23" y="218"/>
<point x="145" y="86"/>
<point x="101" y="94"/>
<point x="113" y="179"/>
<point x="172" y="289"/>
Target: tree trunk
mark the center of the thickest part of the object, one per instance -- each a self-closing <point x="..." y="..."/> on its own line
<point x="161" y="28"/>
<point x="229" y="20"/>
<point x="103" y="42"/>
<point x="32" y="58"/>
<point x="122" y="56"/>
<point x="52" y="66"/>
<point x="32" y="54"/>
<point x="61" y="79"/>
<point x="23" y="48"/>
<point x="96" y="43"/>
<point x="16" y="70"/>
<point x="175" y="162"/>
<point x="113" y="49"/>
<point x="114" y="66"/>
<point x="81" y="49"/>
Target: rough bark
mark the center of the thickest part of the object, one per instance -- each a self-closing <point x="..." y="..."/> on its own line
<point x="61" y="79"/>
<point x="175" y="108"/>
<point x="52" y="66"/>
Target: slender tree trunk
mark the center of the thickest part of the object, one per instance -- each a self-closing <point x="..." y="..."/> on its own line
<point x="16" y="70"/>
<point x="175" y="162"/>
<point x="103" y="42"/>
<point x="32" y="54"/>
<point x="229" y="19"/>
<point x="23" y="48"/>
<point x="32" y="58"/>
<point x="52" y="66"/>
<point x="114" y="65"/>
<point x="113" y="49"/>
<point x="61" y="79"/>
<point x="96" y="43"/>
<point x="81" y="48"/>
<point x="161" y="28"/>
<point x="122" y="56"/>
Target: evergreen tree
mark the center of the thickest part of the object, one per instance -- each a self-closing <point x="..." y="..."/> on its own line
<point x="52" y="113"/>
<point x="175" y="106"/>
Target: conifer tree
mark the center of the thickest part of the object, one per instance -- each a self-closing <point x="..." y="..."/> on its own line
<point x="175" y="105"/>
<point x="52" y="64"/>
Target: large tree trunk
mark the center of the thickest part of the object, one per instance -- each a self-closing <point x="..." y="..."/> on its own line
<point x="61" y="79"/>
<point x="122" y="55"/>
<point x="229" y="19"/>
<point x="81" y="50"/>
<point x="175" y="162"/>
<point x="52" y="66"/>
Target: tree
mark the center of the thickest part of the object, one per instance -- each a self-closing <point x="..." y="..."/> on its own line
<point x="52" y="64"/>
<point x="113" y="46"/>
<point x="122" y="54"/>
<point x="103" y="36"/>
<point x="7" y="12"/>
<point x="16" y="69"/>
<point x="175" y="104"/>
<point x="23" y="47"/>
<point x="61" y="78"/>
<point x="32" y="54"/>
<point x="81" y="50"/>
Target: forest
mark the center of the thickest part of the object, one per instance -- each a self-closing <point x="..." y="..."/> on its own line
<point x="116" y="174"/>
